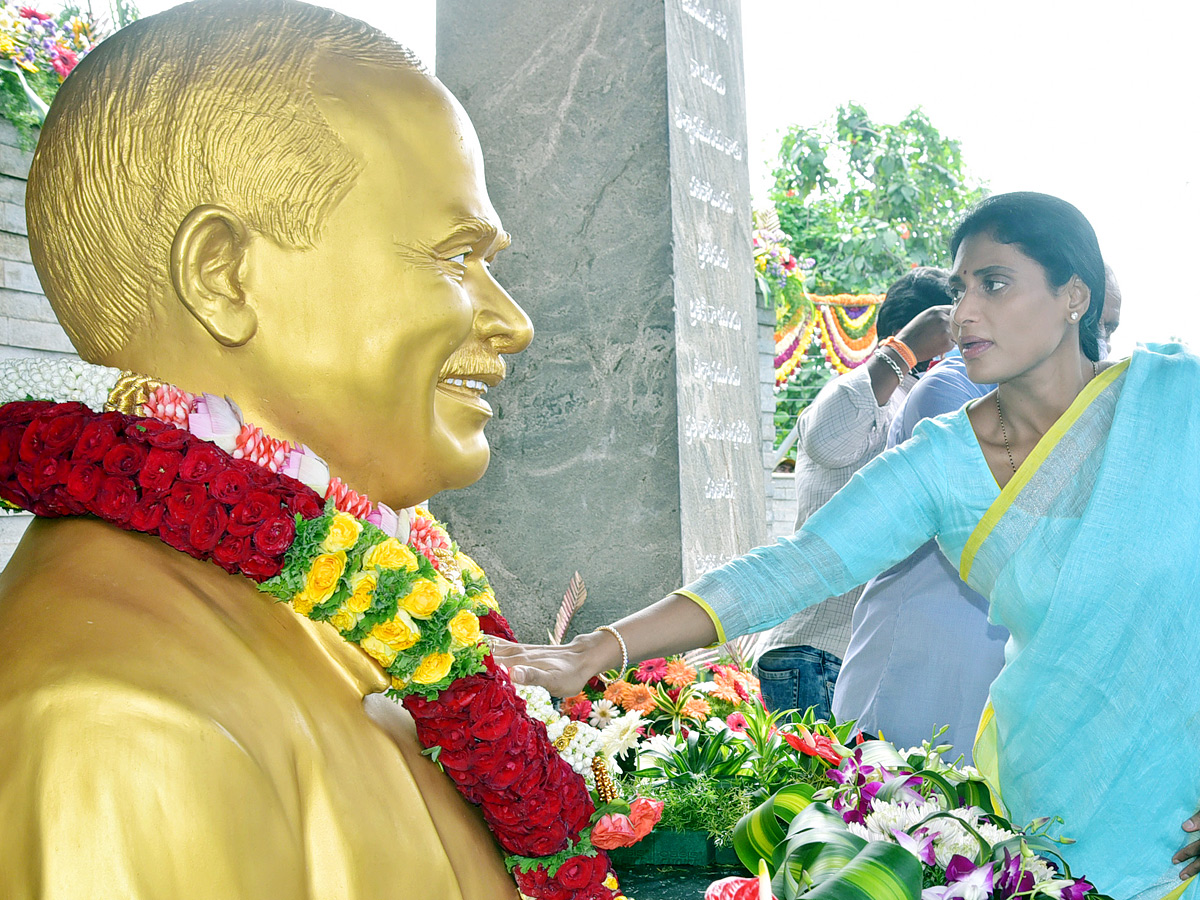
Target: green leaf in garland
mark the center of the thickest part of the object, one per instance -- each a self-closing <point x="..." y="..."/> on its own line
<point x="761" y="830"/>
<point x="878" y="871"/>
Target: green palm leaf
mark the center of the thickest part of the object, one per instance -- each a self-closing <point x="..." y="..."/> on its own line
<point x="761" y="830"/>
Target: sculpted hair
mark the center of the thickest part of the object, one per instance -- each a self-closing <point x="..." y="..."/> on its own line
<point x="911" y="294"/>
<point x="1052" y="233"/>
<point x="210" y="102"/>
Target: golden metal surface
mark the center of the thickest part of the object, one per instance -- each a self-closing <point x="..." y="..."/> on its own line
<point x="564" y="740"/>
<point x="286" y="212"/>
<point x="605" y="787"/>
<point x="130" y="392"/>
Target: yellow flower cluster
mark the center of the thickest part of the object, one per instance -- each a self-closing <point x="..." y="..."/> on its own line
<point x="387" y="640"/>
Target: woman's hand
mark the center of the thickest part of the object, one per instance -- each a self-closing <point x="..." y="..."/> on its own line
<point x="671" y="625"/>
<point x="563" y="670"/>
<point x="1191" y="851"/>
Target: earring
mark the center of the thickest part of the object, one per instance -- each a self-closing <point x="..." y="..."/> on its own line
<point x="1074" y="316"/>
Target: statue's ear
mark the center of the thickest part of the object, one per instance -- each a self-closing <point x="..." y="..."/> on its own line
<point x="207" y="261"/>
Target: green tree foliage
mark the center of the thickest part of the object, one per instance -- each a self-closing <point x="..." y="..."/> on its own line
<point x="869" y="201"/>
<point x="862" y="203"/>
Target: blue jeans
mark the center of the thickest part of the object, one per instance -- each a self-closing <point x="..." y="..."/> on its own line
<point x="797" y="678"/>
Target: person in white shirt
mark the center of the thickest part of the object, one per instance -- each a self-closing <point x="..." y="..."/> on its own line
<point x="843" y="429"/>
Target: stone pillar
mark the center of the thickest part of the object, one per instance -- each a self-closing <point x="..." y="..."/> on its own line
<point x="627" y="439"/>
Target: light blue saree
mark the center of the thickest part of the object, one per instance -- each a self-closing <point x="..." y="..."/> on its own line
<point x="1091" y="557"/>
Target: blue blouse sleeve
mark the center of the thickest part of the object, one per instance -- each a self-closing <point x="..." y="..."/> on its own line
<point x="888" y="510"/>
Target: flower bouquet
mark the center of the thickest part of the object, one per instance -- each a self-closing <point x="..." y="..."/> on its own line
<point x="671" y="694"/>
<point x="905" y="825"/>
<point x="710" y="775"/>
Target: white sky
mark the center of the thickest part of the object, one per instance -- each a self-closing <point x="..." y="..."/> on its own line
<point x="1094" y="102"/>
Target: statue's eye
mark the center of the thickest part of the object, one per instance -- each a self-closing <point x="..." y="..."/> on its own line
<point x="461" y="258"/>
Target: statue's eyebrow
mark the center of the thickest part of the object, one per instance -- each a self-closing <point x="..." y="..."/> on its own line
<point x="473" y="231"/>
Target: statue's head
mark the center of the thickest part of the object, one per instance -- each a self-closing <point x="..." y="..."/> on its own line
<point x="276" y="202"/>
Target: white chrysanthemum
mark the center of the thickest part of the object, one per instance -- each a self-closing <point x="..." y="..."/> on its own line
<point x="1043" y="871"/>
<point x="993" y="834"/>
<point x="621" y="734"/>
<point x="861" y="831"/>
<point x="604" y="712"/>
<point x="884" y="817"/>
<point x="952" y="840"/>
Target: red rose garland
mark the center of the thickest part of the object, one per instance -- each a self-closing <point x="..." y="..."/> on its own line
<point x="145" y="475"/>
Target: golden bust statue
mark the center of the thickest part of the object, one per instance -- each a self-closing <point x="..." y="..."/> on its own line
<point x="274" y="202"/>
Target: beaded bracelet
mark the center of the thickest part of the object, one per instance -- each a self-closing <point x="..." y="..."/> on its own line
<point x="906" y="354"/>
<point x="891" y="362"/>
<point x="621" y="641"/>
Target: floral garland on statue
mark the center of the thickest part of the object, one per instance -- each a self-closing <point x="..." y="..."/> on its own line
<point x="79" y="439"/>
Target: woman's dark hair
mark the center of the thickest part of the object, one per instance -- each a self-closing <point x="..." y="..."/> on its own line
<point x="1052" y="233"/>
<point x="909" y="295"/>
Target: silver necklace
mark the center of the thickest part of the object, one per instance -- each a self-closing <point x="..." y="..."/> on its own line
<point x="1004" y="431"/>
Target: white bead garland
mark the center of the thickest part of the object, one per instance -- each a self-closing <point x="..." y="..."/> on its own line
<point x="586" y="743"/>
<point x="60" y="380"/>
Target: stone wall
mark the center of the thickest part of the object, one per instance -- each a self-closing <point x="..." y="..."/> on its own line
<point x="784" y="505"/>
<point x="27" y="324"/>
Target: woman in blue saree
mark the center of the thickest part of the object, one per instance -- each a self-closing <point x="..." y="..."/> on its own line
<point x="1071" y="498"/>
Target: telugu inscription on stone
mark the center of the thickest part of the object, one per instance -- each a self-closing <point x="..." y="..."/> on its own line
<point x="720" y="448"/>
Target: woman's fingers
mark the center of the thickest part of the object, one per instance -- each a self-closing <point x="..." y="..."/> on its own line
<point x="1191" y="851"/>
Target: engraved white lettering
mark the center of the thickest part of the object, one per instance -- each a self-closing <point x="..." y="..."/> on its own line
<point x="699" y="130"/>
<point x="711" y="255"/>
<point x="720" y="489"/>
<point x="710" y="373"/>
<point x="706" y="562"/>
<point x="716" y="22"/>
<point x="737" y="432"/>
<point x="701" y="311"/>
<point x="706" y="193"/>
<point x="709" y="77"/>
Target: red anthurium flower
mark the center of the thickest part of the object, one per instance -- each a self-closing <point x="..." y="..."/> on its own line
<point x="814" y="745"/>
<point x="733" y="889"/>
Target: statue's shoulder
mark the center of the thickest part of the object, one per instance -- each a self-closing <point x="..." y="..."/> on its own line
<point x="89" y="610"/>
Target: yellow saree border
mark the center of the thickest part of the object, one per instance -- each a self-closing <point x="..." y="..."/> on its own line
<point x="716" y="620"/>
<point x="1179" y="889"/>
<point x="1033" y="462"/>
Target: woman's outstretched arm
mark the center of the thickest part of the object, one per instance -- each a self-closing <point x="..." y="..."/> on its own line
<point x="672" y="625"/>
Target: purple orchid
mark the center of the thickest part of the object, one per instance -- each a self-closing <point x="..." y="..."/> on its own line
<point x="968" y="881"/>
<point x="1075" y="890"/>
<point x="919" y="844"/>
<point x="1012" y="878"/>
<point x="905" y="792"/>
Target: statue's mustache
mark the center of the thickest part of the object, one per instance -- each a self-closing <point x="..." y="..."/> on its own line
<point x="475" y="362"/>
